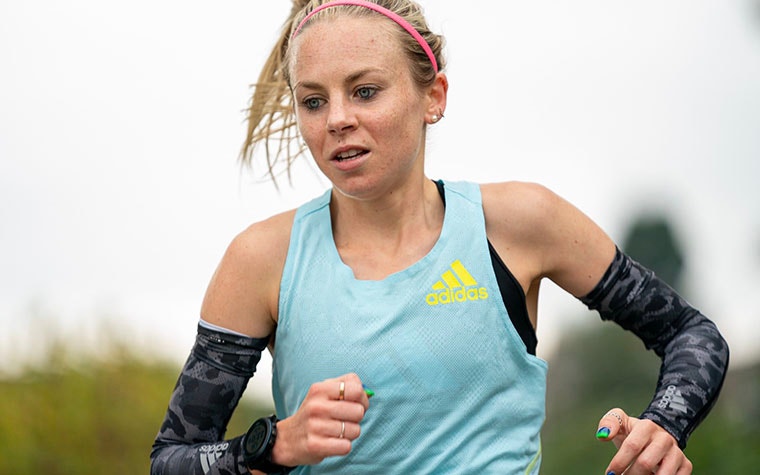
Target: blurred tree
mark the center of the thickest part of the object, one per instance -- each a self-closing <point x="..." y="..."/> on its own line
<point x="652" y="242"/>
<point x="90" y="417"/>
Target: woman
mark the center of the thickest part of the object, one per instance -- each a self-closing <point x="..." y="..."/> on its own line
<point x="426" y="292"/>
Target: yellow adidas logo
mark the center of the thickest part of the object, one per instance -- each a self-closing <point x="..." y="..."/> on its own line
<point x="456" y="285"/>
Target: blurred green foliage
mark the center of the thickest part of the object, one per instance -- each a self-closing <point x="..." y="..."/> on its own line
<point x="91" y="416"/>
<point x="601" y="367"/>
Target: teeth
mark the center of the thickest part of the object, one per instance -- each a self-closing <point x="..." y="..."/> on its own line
<point x="349" y="154"/>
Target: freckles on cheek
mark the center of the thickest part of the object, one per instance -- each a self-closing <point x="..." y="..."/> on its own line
<point x="309" y="133"/>
<point x="394" y="122"/>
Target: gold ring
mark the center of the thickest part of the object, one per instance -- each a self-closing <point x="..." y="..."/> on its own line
<point x="616" y="416"/>
<point x="342" y="393"/>
<point x="342" y="429"/>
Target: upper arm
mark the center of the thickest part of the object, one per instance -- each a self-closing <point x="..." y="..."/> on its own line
<point x="542" y="235"/>
<point x="244" y="290"/>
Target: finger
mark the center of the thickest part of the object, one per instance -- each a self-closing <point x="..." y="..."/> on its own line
<point x="349" y="411"/>
<point x="349" y="387"/>
<point x="335" y="446"/>
<point x="338" y="438"/>
<point x="630" y="447"/>
<point x="660" y="455"/>
<point x="347" y="430"/>
<point x="643" y="449"/>
<point x="671" y="463"/>
<point x="329" y="437"/>
<point x="614" y="422"/>
<point x="324" y="439"/>
<point x="685" y="468"/>
<point x="311" y="439"/>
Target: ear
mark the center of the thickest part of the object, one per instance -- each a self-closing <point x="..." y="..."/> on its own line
<point x="436" y="96"/>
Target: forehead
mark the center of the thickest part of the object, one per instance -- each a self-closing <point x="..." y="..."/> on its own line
<point x="343" y="43"/>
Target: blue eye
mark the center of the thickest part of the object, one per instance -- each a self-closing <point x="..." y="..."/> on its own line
<point x="366" y="92"/>
<point x="313" y="103"/>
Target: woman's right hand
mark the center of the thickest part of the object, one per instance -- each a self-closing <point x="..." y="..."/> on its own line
<point x="325" y="425"/>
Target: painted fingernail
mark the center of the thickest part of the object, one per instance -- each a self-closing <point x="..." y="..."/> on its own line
<point x="603" y="433"/>
<point x="610" y="473"/>
<point x="368" y="391"/>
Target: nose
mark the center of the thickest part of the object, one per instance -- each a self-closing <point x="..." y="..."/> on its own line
<point x="341" y="117"/>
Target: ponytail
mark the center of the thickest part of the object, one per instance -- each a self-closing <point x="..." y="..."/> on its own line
<point x="270" y="115"/>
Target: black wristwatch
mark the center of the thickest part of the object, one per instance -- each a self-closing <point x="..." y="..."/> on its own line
<point x="257" y="446"/>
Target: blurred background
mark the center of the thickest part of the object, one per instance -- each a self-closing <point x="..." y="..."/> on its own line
<point x="120" y="127"/>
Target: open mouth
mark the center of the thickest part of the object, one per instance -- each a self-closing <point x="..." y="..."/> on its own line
<point x="350" y="155"/>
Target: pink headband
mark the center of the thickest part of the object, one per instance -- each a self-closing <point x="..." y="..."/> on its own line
<point x="373" y="6"/>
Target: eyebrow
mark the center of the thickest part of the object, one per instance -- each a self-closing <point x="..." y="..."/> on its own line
<point x="353" y="77"/>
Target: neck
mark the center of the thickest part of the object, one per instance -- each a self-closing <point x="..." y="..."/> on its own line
<point x="382" y="236"/>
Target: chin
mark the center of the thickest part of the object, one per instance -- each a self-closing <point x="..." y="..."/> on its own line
<point x="358" y="188"/>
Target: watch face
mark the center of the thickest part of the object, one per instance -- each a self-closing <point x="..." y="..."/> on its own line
<point x="256" y="437"/>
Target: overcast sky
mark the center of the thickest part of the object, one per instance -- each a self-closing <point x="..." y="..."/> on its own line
<point x="120" y="125"/>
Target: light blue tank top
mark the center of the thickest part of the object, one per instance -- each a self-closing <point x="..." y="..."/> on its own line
<point x="455" y="389"/>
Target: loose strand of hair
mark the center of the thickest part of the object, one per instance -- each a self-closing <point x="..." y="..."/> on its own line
<point x="270" y="111"/>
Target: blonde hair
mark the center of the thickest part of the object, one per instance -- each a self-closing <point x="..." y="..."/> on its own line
<point x="271" y="115"/>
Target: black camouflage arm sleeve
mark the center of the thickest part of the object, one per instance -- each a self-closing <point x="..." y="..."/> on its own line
<point x="209" y="387"/>
<point x="693" y="352"/>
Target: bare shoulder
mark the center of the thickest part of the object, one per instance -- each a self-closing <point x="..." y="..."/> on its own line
<point x="518" y="208"/>
<point x="264" y="240"/>
<point x="546" y="234"/>
<point x="243" y="292"/>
